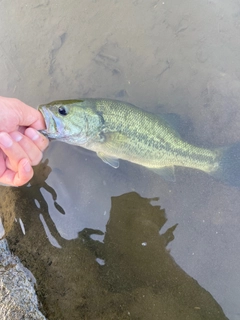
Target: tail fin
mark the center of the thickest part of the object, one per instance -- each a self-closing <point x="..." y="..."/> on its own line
<point x="229" y="166"/>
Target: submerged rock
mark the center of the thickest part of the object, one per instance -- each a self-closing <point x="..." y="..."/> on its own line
<point x="18" y="299"/>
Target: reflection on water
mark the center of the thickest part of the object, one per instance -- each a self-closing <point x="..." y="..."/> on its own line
<point x="34" y="191"/>
<point x="129" y="256"/>
<point x="128" y="275"/>
<point x="41" y="173"/>
<point x="138" y="264"/>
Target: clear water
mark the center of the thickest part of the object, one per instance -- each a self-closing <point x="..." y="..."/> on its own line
<point x="170" y="56"/>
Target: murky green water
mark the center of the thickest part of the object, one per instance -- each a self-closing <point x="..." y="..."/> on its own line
<point x="96" y="239"/>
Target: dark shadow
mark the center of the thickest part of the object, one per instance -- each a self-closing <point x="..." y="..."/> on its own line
<point x="138" y="265"/>
<point x="33" y="192"/>
<point x="41" y="173"/>
<point x="130" y="275"/>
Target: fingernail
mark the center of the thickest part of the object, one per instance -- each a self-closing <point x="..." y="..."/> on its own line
<point x="32" y="134"/>
<point x="5" y="140"/>
<point x="27" y="167"/>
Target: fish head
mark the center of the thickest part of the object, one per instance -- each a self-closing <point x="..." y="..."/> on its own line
<point x="71" y="121"/>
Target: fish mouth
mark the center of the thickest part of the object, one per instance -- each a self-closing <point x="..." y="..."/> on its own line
<point x="54" y="126"/>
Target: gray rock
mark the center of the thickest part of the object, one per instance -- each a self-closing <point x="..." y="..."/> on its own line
<point x="18" y="299"/>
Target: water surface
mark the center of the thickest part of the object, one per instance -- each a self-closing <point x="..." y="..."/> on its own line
<point x="82" y="242"/>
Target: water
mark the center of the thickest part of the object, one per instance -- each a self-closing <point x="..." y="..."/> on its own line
<point x="91" y="231"/>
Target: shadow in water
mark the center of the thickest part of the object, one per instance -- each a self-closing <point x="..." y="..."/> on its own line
<point x="135" y="262"/>
<point x="130" y="275"/>
<point x="33" y="191"/>
<point x="41" y="173"/>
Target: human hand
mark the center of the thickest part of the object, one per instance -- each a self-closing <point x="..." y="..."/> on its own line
<point x="21" y="145"/>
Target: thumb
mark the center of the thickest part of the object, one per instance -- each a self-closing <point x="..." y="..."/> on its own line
<point x="30" y="117"/>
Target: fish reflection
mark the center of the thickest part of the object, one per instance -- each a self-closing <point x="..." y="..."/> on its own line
<point x="136" y="263"/>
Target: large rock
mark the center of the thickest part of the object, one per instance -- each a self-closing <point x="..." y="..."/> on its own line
<point x="18" y="299"/>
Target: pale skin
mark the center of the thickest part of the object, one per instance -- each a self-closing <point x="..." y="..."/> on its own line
<point x="21" y="145"/>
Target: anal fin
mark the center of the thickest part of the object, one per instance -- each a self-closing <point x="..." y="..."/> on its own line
<point x="113" y="162"/>
<point x="167" y="173"/>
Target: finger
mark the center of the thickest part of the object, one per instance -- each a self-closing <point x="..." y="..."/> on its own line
<point x="22" y="176"/>
<point x="22" y="114"/>
<point x="13" y="151"/>
<point x="2" y="163"/>
<point x="29" y="116"/>
<point x="32" y="151"/>
<point x="39" y="139"/>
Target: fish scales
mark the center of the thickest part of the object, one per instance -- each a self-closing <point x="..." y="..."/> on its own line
<point x="151" y="140"/>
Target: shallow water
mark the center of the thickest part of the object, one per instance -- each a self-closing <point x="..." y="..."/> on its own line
<point x="92" y="237"/>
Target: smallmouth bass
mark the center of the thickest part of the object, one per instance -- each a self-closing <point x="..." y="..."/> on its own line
<point x="118" y="130"/>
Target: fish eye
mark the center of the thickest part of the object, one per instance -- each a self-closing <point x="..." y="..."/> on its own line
<point x="62" y="110"/>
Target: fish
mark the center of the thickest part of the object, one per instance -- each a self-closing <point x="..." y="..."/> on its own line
<point x="119" y="130"/>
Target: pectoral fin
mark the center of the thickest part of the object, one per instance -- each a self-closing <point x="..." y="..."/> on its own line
<point x="166" y="172"/>
<point x="113" y="162"/>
